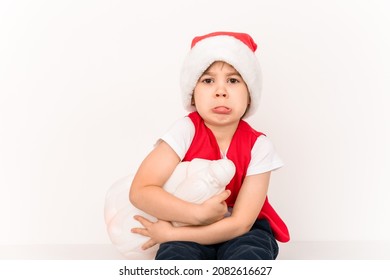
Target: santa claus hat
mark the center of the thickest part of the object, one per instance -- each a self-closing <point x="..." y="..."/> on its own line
<point x="237" y="49"/>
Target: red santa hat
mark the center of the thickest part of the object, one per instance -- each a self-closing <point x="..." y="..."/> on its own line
<point x="237" y="49"/>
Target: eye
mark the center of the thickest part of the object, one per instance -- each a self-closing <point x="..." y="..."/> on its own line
<point x="233" y="80"/>
<point x="207" y="80"/>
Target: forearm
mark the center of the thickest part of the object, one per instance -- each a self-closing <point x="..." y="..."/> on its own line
<point x="245" y="212"/>
<point x="147" y="194"/>
<point x="246" y="209"/>
<point x="165" y="206"/>
<point x="223" y="230"/>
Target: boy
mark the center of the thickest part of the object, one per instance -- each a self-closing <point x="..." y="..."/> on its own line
<point x="221" y="84"/>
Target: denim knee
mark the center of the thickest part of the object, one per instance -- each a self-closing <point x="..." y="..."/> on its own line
<point x="257" y="244"/>
<point x="183" y="250"/>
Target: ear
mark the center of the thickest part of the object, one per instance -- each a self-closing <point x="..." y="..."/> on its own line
<point x="192" y="100"/>
<point x="249" y="105"/>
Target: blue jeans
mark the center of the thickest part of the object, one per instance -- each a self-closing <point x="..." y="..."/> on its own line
<point x="257" y="244"/>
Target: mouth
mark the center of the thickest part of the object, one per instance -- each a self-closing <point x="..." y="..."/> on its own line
<point x="221" y="110"/>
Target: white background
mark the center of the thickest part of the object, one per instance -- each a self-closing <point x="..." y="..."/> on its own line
<point x="86" y="87"/>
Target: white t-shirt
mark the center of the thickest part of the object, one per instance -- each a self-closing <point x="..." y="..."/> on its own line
<point x="263" y="156"/>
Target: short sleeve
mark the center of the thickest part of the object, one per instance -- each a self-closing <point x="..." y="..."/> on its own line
<point x="179" y="136"/>
<point x="264" y="157"/>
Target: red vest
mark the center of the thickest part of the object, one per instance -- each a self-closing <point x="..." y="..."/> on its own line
<point x="204" y="145"/>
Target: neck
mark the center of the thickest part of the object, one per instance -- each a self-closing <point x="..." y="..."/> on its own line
<point x="223" y="134"/>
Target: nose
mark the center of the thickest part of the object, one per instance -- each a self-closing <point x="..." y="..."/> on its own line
<point x="220" y="94"/>
<point x="221" y="91"/>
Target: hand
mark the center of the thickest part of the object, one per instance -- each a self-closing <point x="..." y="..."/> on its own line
<point x="213" y="209"/>
<point x="158" y="231"/>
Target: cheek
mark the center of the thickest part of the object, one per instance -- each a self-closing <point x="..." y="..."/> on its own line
<point x="242" y="96"/>
<point x="199" y="95"/>
<point x="199" y="100"/>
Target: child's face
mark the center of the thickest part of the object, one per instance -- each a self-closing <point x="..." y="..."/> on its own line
<point x="221" y="95"/>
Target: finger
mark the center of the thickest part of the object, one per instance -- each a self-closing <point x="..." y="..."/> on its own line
<point x="141" y="231"/>
<point x="224" y="195"/>
<point x="145" y="222"/>
<point x="149" y="244"/>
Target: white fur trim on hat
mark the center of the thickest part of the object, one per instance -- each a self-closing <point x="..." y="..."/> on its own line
<point x="221" y="48"/>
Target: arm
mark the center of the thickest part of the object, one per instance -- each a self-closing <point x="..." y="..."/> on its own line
<point x="246" y="209"/>
<point x="147" y="194"/>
